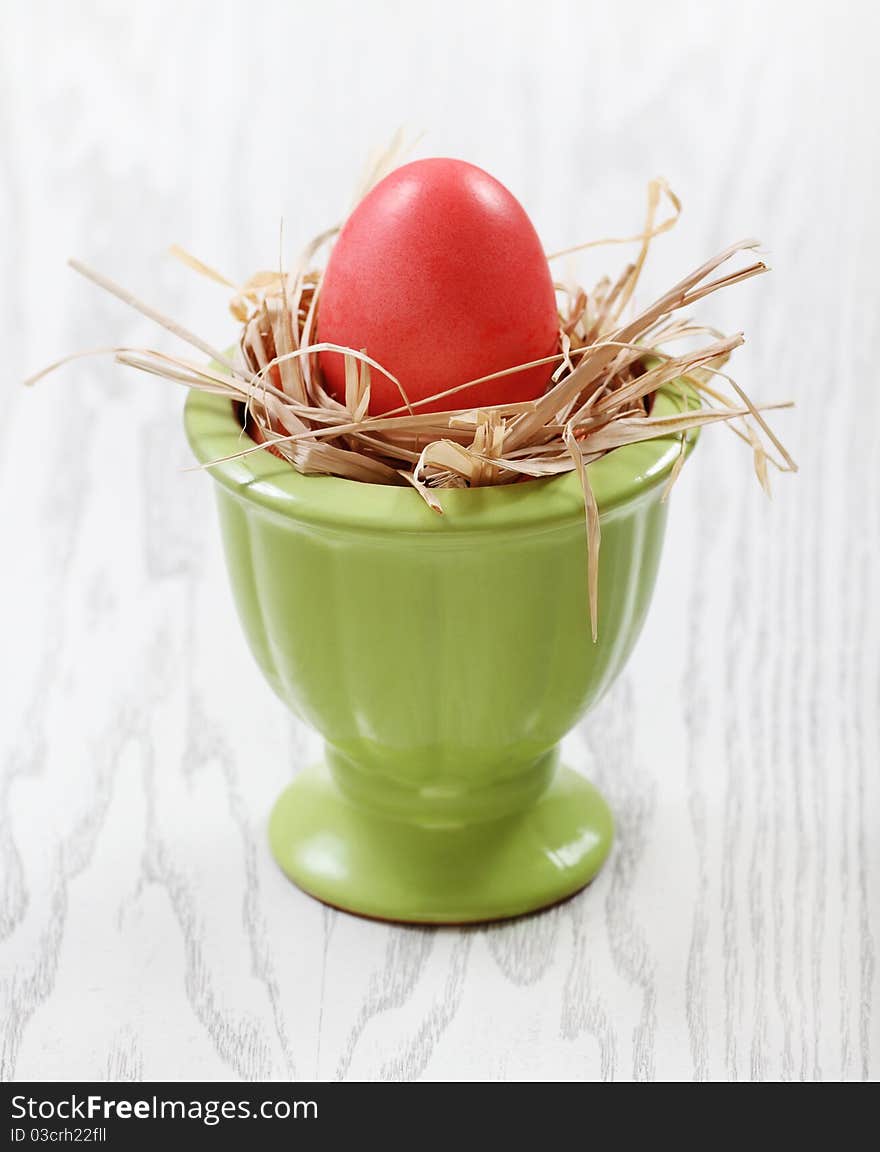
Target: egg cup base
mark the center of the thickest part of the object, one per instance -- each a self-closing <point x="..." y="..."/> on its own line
<point x="359" y="861"/>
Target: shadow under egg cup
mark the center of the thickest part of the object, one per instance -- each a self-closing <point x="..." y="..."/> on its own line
<point x="442" y="658"/>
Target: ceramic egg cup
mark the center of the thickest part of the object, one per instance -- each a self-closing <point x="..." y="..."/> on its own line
<point x="442" y="658"/>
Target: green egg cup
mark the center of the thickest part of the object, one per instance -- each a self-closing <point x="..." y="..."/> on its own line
<point x="442" y="658"/>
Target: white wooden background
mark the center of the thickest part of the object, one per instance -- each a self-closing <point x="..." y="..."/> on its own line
<point x="144" y="930"/>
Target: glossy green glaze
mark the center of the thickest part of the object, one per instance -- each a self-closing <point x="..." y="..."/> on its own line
<point x="442" y="658"/>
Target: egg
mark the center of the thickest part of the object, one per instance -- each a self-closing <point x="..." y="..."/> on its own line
<point x="439" y="275"/>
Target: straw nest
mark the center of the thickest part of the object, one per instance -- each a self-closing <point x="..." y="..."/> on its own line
<point x="610" y="361"/>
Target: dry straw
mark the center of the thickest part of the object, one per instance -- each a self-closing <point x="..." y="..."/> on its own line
<point x="608" y="367"/>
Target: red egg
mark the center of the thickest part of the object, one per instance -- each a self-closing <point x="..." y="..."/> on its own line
<point x="439" y="275"/>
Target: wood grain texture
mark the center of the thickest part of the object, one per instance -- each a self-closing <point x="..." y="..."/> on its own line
<point x="144" y="931"/>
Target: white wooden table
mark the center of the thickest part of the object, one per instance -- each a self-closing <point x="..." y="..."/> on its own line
<point x="144" y="929"/>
